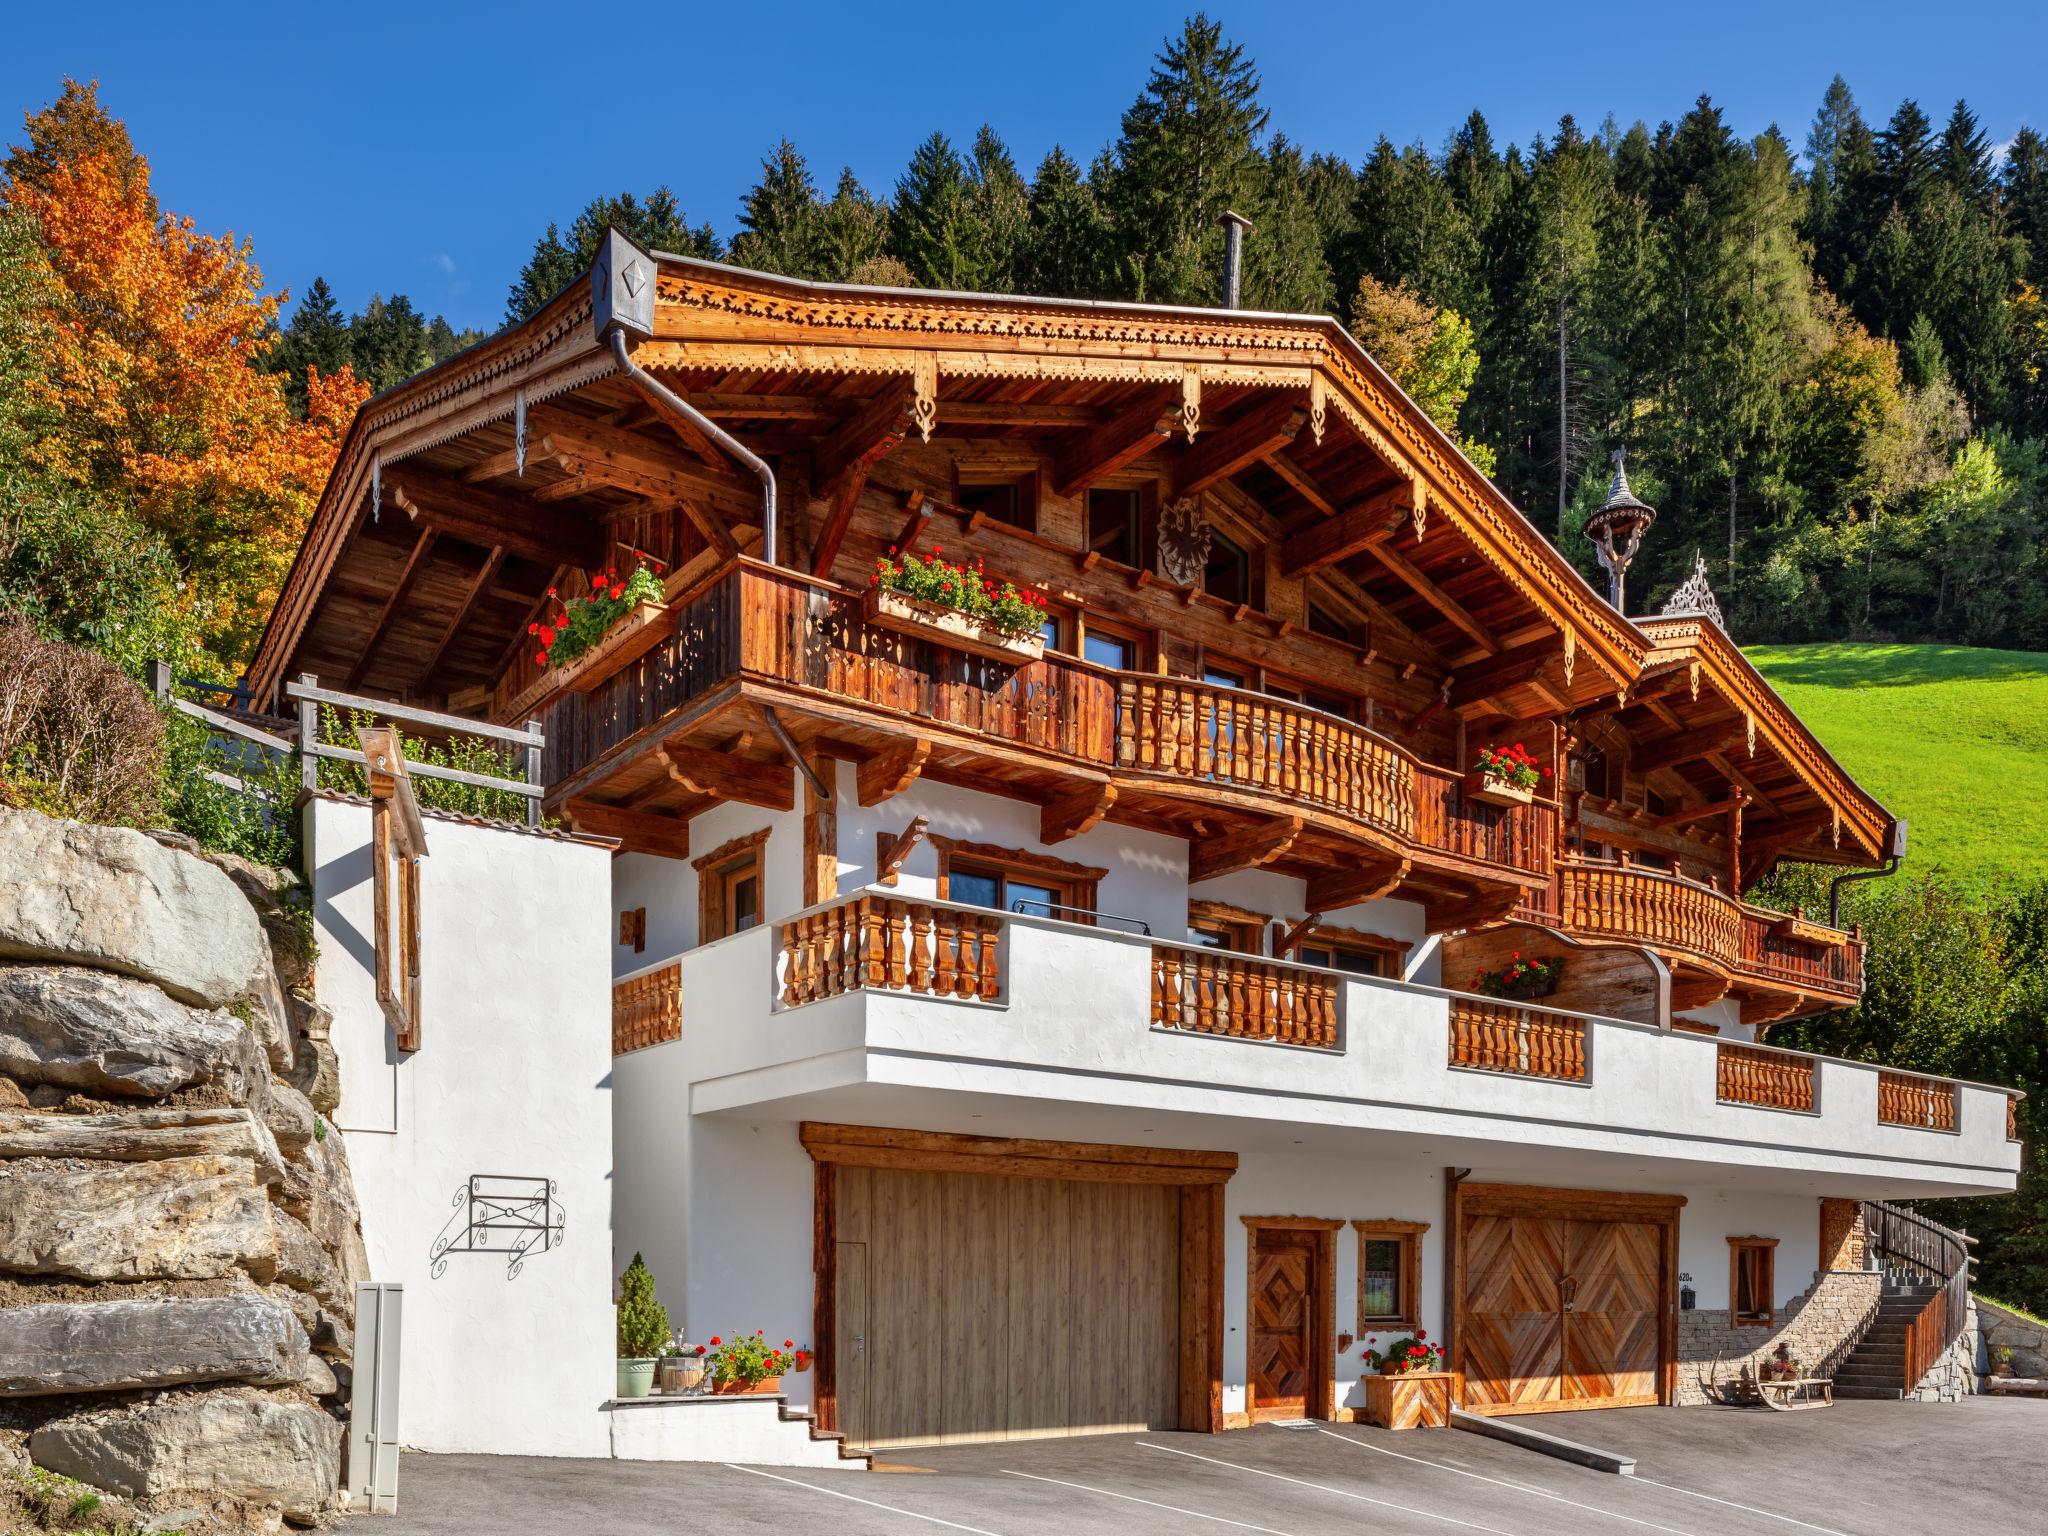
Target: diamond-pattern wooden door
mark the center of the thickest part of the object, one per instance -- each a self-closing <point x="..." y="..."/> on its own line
<point x="1511" y="1334"/>
<point x="1611" y="1332"/>
<point x="1282" y="1345"/>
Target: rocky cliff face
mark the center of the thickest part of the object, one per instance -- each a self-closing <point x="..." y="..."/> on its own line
<point x="179" y="1239"/>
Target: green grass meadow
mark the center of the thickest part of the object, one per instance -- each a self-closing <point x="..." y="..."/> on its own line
<point x="1953" y="739"/>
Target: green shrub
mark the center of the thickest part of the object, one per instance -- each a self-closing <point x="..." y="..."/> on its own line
<point x="262" y="827"/>
<point x="78" y="738"/>
<point x="465" y="753"/>
<point x="643" y="1321"/>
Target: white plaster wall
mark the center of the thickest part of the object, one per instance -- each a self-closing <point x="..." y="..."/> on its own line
<point x="513" y="1077"/>
<point x="667" y="888"/>
<point x="1713" y="1215"/>
<point x="1726" y="1015"/>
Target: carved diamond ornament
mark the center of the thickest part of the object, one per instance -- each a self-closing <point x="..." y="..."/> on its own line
<point x="1184" y="540"/>
<point x="1696" y="595"/>
<point x="633" y="278"/>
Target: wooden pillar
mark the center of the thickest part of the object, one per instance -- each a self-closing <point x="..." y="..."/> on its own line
<point x="821" y="832"/>
<point x="825" y="1294"/>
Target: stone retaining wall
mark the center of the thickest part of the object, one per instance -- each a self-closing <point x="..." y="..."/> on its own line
<point x="2002" y="1328"/>
<point x="1812" y="1325"/>
<point x="179" y="1238"/>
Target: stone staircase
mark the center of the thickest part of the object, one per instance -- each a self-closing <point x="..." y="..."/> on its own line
<point x="1877" y="1366"/>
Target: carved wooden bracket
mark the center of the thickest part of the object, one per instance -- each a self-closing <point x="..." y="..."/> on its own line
<point x="891" y="852"/>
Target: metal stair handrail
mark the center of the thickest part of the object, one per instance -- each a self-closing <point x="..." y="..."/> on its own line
<point x="1908" y="1243"/>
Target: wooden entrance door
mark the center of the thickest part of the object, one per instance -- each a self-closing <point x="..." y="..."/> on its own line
<point x="1285" y="1365"/>
<point x="1565" y="1299"/>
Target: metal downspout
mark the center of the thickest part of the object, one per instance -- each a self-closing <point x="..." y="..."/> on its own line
<point x="668" y="403"/>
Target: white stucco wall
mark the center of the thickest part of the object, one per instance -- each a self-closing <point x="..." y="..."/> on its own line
<point x="667" y="888"/>
<point x="513" y="1077"/>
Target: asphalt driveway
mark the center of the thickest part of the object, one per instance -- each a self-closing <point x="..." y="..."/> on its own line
<point x="1858" y="1469"/>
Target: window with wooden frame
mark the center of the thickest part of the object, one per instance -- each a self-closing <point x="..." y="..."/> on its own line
<point x="1228" y="574"/>
<point x="1108" y="644"/>
<point x="1015" y="880"/>
<point x="1389" y="1274"/>
<point x="729" y="887"/>
<point x="1218" y="925"/>
<point x="1348" y="949"/>
<point x="1752" y="1297"/>
<point x="1002" y="496"/>
<point x="1116" y="525"/>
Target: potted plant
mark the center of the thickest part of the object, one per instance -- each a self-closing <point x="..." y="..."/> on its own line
<point x="1781" y="1366"/>
<point x="1505" y="776"/>
<point x="748" y="1363"/>
<point x="681" y="1369"/>
<point x="1522" y="979"/>
<point x="957" y="605"/>
<point x="586" y="639"/>
<point x="643" y="1329"/>
<point x="2001" y="1361"/>
<point x="1411" y="1389"/>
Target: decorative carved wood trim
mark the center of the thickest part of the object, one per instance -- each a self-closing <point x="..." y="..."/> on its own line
<point x="731" y="849"/>
<point x="890" y="773"/>
<point x="1409" y="1235"/>
<point x="1024" y="859"/>
<point x="727" y="776"/>
<point x="873" y="1146"/>
<point x="1075" y="813"/>
<point x="890" y="852"/>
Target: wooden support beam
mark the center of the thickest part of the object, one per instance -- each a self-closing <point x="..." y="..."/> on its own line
<point x="1217" y="455"/>
<point x="889" y="773"/>
<point x="868" y="434"/>
<point x="1689" y="747"/>
<point x="1348" y="887"/>
<point x="1290" y="940"/>
<point x="918" y="516"/>
<point x="1692" y="813"/>
<point x="499" y="465"/>
<point x="891" y="852"/>
<point x="1371" y="522"/>
<point x="491" y="519"/>
<point x="1302" y="483"/>
<point x="620" y="447"/>
<point x="1111" y="446"/>
<point x="1720" y="763"/>
<point x="422" y="547"/>
<point x="1435" y="596"/>
<point x="724" y="776"/>
<point x="637" y="831"/>
<point x="1073" y="814"/>
<point x="1249" y="849"/>
<point x="1506" y="670"/>
<point x="477" y="587"/>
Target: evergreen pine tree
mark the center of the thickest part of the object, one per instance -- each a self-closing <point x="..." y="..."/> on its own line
<point x="1067" y="250"/>
<point x="1905" y="158"/>
<point x="853" y="231"/>
<point x="1000" y="206"/>
<point x="1963" y="159"/>
<point x="1407" y="229"/>
<point x="316" y="338"/>
<point x="388" y="341"/>
<point x="560" y="259"/>
<point x="782" y="227"/>
<point x="932" y="229"/>
<point x="2023" y="190"/>
<point x="1188" y="151"/>
<point x="1568" y="189"/>
<point x="1284" y="267"/>
<point x="643" y="1320"/>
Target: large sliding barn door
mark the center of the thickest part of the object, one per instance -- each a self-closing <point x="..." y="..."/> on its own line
<point x="1564" y="1310"/>
<point x="995" y="1308"/>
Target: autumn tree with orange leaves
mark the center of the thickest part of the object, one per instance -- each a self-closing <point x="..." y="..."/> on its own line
<point x="149" y="389"/>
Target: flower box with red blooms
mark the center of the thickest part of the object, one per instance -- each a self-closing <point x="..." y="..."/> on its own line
<point x="1410" y="1389"/>
<point x="1523" y="979"/>
<point x="748" y="1363"/>
<point x="585" y="639"/>
<point x="1505" y="776"/>
<point x="960" y="606"/>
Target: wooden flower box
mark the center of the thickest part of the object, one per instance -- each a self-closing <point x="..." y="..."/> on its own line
<point x="643" y="628"/>
<point x="766" y="1386"/>
<point x="1809" y="933"/>
<point x="907" y="615"/>
<point x="1494" y="790"/>
<point x="1414" y="1400"/>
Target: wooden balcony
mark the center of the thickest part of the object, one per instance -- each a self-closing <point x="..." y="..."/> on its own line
<point x="883" y="944"/>
<point x="1926" y="1103"/>
<point x="1524" y="1042"/>
<point x="1766" y="1078"/>
<point x="1215" y="992"/>
<point x="809" y="643"/>
<point x="1694" y="922"/>
<point x="647" y="1008"/>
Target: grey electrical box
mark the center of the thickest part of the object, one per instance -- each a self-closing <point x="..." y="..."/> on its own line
<point x="373" y="1401"/>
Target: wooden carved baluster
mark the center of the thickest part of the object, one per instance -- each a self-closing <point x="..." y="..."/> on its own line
<point x="1158" y="987"/>
<point x="1126" y="723"/>
<point x="967" y="973"/>
<point x="989" y="931"/>
<point x="945" y="936"/>
<point x="789" y="965"/>
<point x="823" y="961"/>
<point x="1205" y="992"/>
<point x="1234" y="974"/>
<point x="874" y="944"/>
<point x="898" y="974"/>
<point x="920" y="948"/>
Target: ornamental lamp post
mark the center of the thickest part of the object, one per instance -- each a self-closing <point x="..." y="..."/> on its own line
<point x="1617" y="529"/>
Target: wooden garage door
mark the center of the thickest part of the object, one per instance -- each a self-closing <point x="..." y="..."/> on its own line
<point x="976" y="1307"/>
<point x="1561" y="1313"/>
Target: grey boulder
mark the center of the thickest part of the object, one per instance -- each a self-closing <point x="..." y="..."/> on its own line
<point x="142" y="1136"/>
<point x="72" y="1027"/>
<point x="102" y="1346"/>
<point x="184" y="1218"/>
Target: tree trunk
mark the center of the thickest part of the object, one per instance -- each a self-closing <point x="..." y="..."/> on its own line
<point x="1564" y="455"/>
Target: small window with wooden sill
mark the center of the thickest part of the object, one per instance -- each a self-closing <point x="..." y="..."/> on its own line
<point x="1752" y="1295"/>
<point x="1217" y="925"/>
<point x="1108" y="645"/>
<point x="729" y="887"/>
<point x="1347" y="949"/>
<point x="1116" y="525"/>
<point x="1008" y="499"/>
<point x="1389" y="1274"/>
<point x="1228" y="574"/>
<point x="1015" y="880"/>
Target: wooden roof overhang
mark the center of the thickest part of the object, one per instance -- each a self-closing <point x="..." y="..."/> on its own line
<point x="1705" y="712"/>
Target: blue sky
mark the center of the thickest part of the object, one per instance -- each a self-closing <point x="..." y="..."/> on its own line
<point x="422" y="147"/>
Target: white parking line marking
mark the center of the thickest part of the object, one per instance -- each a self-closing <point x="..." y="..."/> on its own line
<point x="1342" y="1493"/>
<point x="1110" y="1493"/>
<point x="1828" y="1530"/>
<point x="797" y="1482"/>
<point x="1500" y="1482"/>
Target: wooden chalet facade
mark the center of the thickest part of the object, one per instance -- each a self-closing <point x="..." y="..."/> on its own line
<point x="1285" y="615"/>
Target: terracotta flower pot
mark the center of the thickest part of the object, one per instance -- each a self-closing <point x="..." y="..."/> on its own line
<point x="761" y="1388"/>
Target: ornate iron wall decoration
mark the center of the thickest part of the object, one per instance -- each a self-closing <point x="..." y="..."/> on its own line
<point x="501" y="1213"/>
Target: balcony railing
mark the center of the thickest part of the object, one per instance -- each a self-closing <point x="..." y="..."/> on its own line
<point x="1672" y="913"/>
<point x="888" y="945"/>
<point x="1527" y="1042"/>
<point x="771" y="625"/>
<point x="1768" y="1079"/>
<point x="1927" y="1103"/>
<point x="647" y="1008"/>
<point x="1215" y="992"/>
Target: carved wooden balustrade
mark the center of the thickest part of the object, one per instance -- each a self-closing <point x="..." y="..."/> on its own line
<point x="1649" y="907"/>
<point x="1236" y="739"/>
<point x="885" y="944"/>
<point x="1519" y="836"/>
<point x="1218" y="992"/>
<point x="1834" y="968"/>
<point x="647" y="1009"/>
<point x="1528" y="1042"/>
<point x="1926" y="1103"/>
<point x="1747" y="1074"/>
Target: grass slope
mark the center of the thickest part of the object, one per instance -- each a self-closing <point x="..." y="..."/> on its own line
<point x="1953" y="739"/>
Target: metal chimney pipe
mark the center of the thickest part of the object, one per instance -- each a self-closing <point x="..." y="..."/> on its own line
<point x="1235" y="227"/>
